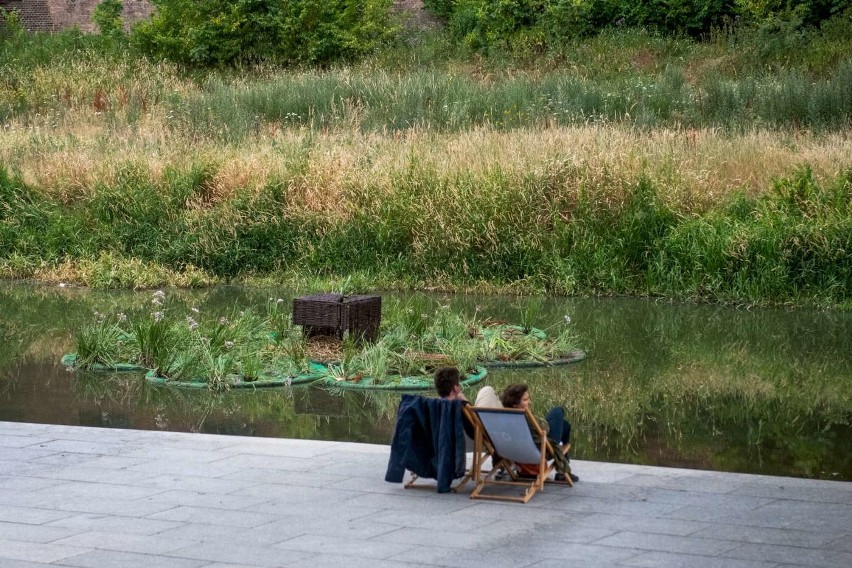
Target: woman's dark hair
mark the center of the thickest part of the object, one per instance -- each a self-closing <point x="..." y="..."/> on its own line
<point x="445" y="379"/>
<point x="512" y="395"/>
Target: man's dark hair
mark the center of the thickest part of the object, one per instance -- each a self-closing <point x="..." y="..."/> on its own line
<point x="512" y="395"/>
<point x="445" y="379"/>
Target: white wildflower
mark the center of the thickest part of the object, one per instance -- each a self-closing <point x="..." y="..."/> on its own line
<point x="567" y="318"/>
<point x="158" y="316"/>
<point x="122" y="317"/>
<point x="194" y="310"/>
<point x="223" y="321"/>
<point x="229" y="344"/>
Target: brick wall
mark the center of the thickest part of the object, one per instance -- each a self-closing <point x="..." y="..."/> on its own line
<point x="54" y="15"/>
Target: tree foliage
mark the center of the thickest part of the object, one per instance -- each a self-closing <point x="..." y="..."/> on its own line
<point x="545" y="23"/>
<point x="107" y="16"/>
<point x="226" y="32"/>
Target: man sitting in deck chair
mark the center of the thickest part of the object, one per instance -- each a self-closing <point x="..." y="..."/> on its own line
<point x="448" y="387"/>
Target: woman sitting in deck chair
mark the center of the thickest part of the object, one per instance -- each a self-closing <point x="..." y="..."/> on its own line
<point x="557" y="428"/>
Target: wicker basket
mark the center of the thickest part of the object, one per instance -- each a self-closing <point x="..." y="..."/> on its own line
<point x="334" y="314"/>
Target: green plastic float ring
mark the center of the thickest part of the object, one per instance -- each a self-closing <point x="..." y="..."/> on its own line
<point x="571" y="357"/>
<point x="70" y="360"/>
<point x="414" y="383"/>
<point x="317" y="371"/>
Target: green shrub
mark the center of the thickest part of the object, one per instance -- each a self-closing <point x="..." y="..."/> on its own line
<point x="228" y="32"/>
<point x="809" y="12"/>
<point x="680" y="17"/>
<point x="442" y="8"/>
<point x="11" y="26"/>
<point x="107" y="16"/>
<point x="525" y="23"/>
<point x="521" y="24"/>
<point x="501" y="23"/>
<point x="567" y="19"/>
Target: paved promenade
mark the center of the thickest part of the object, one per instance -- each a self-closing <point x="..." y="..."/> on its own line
<point x="101" y="498"/>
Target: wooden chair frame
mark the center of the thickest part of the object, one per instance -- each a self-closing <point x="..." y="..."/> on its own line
<point x="484" y="445"/>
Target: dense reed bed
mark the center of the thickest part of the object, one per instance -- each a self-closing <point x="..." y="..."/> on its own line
<point x="669" y="168"/>
<point x="550" y="230"/>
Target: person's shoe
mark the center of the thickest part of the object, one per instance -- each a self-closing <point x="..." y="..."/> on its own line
<point x="561" y="477"/>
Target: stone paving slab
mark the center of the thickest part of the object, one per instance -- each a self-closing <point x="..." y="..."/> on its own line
<point x="102" y="498"/>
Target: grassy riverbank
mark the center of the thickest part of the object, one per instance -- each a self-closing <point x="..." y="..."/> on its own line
<point x="627" y="164"/>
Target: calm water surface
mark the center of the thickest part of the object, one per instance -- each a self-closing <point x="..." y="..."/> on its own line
<point x="761" y="391"/>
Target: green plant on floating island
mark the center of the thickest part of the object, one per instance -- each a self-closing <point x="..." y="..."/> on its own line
<point x="416" y="337"/>
<point x="101" y="343"/>
<point x="183" y="345"/>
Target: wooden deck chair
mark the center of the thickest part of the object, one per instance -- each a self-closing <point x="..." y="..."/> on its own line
<point x="480" y="454"/>
<point x="474" y="472"/>
<point x="508" y="431"/>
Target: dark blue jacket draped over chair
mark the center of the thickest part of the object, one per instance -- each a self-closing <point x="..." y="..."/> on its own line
<point x="428" y="440"/>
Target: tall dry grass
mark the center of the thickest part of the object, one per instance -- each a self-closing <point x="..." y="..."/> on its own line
<point x="692" y="167"/>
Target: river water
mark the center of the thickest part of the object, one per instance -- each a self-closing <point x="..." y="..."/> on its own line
<point x="760" y="391"/>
